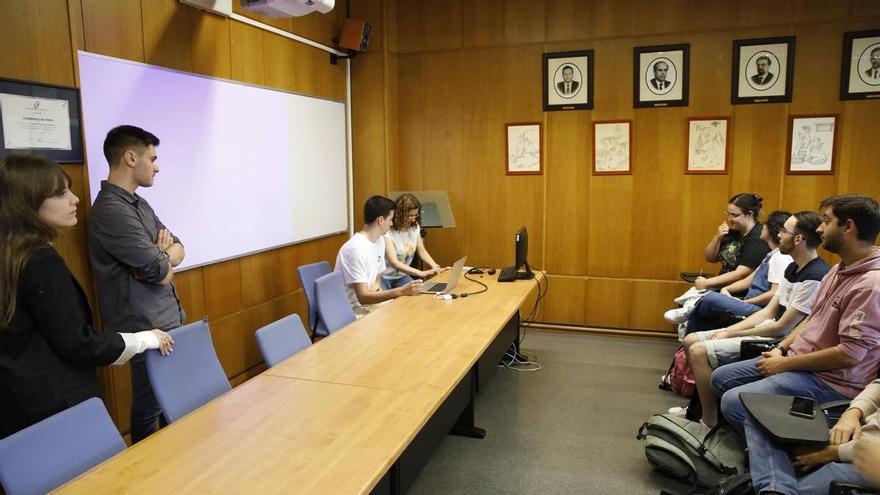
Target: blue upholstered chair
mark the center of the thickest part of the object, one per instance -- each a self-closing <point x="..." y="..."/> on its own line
<point x="281" y="339"/>
<point x="333" y="307"/>
<point x="188" y="377"/>
<point x="47" y="454"/>
<point x="307" y="276"/>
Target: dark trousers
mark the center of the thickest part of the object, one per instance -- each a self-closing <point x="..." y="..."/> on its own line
<point x="145" y="411"/>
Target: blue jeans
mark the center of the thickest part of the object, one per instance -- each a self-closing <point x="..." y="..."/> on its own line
<point x="395" y="283"/>
<point x="770" y="466"/>
<point x="817" y="482"/>
<point x="145" y="411"/>
<point x="713" y="308"/>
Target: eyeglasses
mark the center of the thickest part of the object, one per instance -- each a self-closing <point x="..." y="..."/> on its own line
<point x="733" y="215"/>
<point x="784" y="231"/>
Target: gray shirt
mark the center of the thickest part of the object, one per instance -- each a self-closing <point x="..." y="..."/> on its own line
<point x="128" y="265"/>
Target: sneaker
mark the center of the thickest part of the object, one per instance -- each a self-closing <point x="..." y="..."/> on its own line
<point x="678" y="411"/>
<point x="678" y="315"/>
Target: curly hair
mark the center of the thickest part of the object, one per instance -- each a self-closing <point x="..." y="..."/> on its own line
<point x="402" y="205"/>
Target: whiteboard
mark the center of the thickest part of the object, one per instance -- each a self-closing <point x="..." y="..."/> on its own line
<point x="242" y="168"/>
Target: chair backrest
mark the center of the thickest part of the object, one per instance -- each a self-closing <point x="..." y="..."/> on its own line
<point x="188" y="377"/>
<point x="333" y="307"/>
<point x="59" y="448"/>
<point x="281" y="339"/>
<point x="307" y="276"/>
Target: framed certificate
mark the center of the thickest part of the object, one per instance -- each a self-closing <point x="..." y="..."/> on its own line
<point x="40" y="119"/>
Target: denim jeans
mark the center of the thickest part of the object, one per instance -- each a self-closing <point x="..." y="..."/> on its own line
<point x="817" y="482"/>
<point x="770" y="466"/>
<point x="713" y="308"/>
<point x="393" y="284"/>
<point x="145" y="411"/>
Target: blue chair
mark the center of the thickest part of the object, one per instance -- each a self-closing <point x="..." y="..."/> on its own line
<point x="188" y="377"/>
<point x="281" y="339"/>
<point x="59" y="448"/>
<point x="333" y="307"/>
<point x="307" y="276"/>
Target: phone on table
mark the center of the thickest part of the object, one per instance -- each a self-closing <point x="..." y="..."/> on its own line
<point x="803" y="407"/>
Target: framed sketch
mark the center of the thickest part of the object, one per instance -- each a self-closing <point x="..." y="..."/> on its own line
<point x="40" y="119"/>
<point x="524" y="148"/>
<point x="707" y="145"/>
<point x="612" y="147"/>
<point x="660" y="76"/>
<point x="568" y="80"/>
<point x="861" y="65"/>
<point x="763" y="70"/>
<point x="812" y="140"/>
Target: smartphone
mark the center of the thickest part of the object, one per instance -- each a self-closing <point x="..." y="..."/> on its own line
<point x="803" y="407"/>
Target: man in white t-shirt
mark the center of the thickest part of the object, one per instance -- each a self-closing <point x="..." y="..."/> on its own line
<point x="792" y="303"/>
<point x="361" y="260"/>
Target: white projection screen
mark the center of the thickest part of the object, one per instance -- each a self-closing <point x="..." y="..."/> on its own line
<point x="242" y="168"/>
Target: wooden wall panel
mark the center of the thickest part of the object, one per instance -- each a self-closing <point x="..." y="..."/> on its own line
<point x="223" y="287"/>
<point x="626" y="235"/>
<point x="211" y="44"/>
<point x="36" y="50"/>
<point x="167" y="40"/>
<point x="246" y="53"/>
<point x="190" y="286"/>
<point x="114" y="28"/>
<point x="565" y="301"/>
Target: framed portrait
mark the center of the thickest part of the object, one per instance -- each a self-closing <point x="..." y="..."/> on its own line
<point x="568" y="80"/>
<point x="707" y="139"/>
<point x="40" y="119"/>
<point x="861" y="65"/>
<point x="763" y="70"/>
<point x="524" y="143"/>
<point x="812" y="140"/>
<point x="660" y="76"/>
<point x="612" y="147"/>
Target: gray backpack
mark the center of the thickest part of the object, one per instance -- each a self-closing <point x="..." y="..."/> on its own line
<point x="692" y="452"/>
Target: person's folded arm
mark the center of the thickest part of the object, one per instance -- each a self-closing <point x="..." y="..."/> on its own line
<point x="121" y="233"/>
<point x="741" y="285"/>
<point x="763" y="298"/>
<point x="754" y="319"/>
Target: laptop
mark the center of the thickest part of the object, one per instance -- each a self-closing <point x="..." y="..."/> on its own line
<point x="444" y="287"/>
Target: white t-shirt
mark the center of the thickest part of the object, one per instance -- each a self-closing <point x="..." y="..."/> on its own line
<point x="777" y="265"/>
<point x="360" y="261"/>
<point x="405" y="243"/>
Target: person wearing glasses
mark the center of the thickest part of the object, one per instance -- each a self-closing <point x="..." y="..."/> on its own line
<point x="792" y="303"/>
<point x="737" y="244"/>
<point x="402" y="242"/>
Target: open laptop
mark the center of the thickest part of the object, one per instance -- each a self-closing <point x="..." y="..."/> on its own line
<point x="445" y="287"/>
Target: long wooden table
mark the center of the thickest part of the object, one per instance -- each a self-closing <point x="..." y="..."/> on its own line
<point x="360" y="411"/>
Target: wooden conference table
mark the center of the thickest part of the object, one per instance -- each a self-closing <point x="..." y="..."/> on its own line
<point x="359" y="411"/>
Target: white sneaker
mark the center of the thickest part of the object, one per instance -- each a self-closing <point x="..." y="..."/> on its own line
<point x="678" y="411"/>
<point x="678" y="315"/>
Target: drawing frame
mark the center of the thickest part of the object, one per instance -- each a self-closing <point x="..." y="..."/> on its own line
<point x="858" y="81"/>
<point x="554" y="65"/>
<point x="646" y="94"/>
<point x="747" y="85"/>
<point x="703" y="165"/>
<point x="70" y="95"/>
<point x="799" y="147"/>
<point x="532" y="131"/>
<point x="605" y="161"/>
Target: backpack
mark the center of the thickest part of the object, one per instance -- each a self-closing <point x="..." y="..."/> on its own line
<point x="692" y="452"/>
<point x="679" y="378"/>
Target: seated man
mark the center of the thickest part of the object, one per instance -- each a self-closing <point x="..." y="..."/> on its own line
<point x="833" y="354"/>
<point x="714" y="308"/>
<point x="361" y="260"/>
<point x="792" y="302"/>
<point x="847" y="438"/>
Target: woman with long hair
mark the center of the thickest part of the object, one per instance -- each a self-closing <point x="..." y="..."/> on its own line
<point x="402" y="243"/>
<point x="48" y="348"/>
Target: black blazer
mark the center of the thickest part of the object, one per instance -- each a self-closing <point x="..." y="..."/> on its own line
<point x="49" y="350"/>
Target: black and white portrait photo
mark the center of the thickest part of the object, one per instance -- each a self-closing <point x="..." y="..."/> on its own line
<point x="762" y="70"/>
<point x="568" y="80"/>
<point x="861" y="66"/>
<point x="660" y="76"/>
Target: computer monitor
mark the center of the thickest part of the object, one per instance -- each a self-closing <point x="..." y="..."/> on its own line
<point x="522" y="253"/>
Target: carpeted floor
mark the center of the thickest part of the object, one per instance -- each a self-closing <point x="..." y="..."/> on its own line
<point x="568" y="428"/>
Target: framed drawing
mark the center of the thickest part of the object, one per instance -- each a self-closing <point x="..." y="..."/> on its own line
<point x="612" y="147"/>
<point x="860" y="79"/>
<point x="707" y="145"/>
<point x="524" y="143"/>
<point x="812" y="140"/>
<point x="40" y="119"/>
<point x="568" y="80"/>
<point x="763" y="70"/>
<point x="660" y="76"/>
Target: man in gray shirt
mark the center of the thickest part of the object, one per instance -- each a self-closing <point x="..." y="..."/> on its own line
<point x="133" y="258"/>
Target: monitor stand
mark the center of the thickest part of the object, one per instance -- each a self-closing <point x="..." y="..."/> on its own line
<point x="527" y="274"/>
